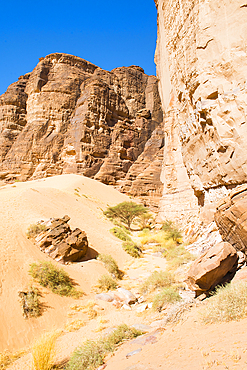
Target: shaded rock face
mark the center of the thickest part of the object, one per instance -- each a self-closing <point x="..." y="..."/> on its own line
<point x="201" y="65"/>
<point x="69" y="116"/>
<point x="217" y="266"/>
<point x="60" y="242"/>
<point x="231" y="218"/>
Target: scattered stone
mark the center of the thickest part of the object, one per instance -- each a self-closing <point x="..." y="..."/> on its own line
<point x="126" y="307"/>
<point x="142" y="308"/>
<point x="150" y="304"/>
<point x="133" y="352"/>
<point x="125" y="295"/>
<point x="216" y="266"/>
<point x="143" y="340"/>
<point x="104" y="297"/>
<point x="142" y="327"/>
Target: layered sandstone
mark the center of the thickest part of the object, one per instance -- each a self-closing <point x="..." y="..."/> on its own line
<point x="70" y="116"/>
<point x="201" y="64"/>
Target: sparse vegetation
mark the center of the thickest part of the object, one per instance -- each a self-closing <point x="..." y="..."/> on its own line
<point x="30" y="302"/>
<point x="172" y="231"/>
<point x="7" y="358"/>
<point x="125" y="212"/>
<point x="227" y="304"/>
<point x="168" y="295"/>
<point x="120" y="234"/>
<point x="54" y="278"/>
<point x="158" y="279"/>
<point x="177" y="255"/>
<point x="145" y="220"/>
<point x="132" y="249"/>
<point x="91" y="354"/>
<point x="106" y="282"/>
<point x="43" y="352"/>
<point x="35" y="229"/>
<point x="110" y="265"/>
<point x="74" y="325"/>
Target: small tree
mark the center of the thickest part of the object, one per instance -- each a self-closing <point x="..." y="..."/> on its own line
<point x="125" y="212"/>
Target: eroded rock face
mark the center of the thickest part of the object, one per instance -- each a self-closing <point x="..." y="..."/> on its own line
<point x="70" y="116"/>
<point x="217" y="266"/>
<point x="201" y="64"/>
<point x="231" y="218"/>
<point x="60" y="242"/>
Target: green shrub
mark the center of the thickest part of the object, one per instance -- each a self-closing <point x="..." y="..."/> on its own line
<point x="166" y="296"/>
<point x="30" y="302"/>
<point x="177" y="255"/>
<point x="227" y="304"/>
<point x="91" y="354"/>
<point x="110" y="265"/>
<point x="172" y="231"/>
<point x="106" y="282"/>
<point x="125" y="212"/>
<point x="35" y="229"/>
<point x="120" y="234"/>
<point x="132" y="249"/>
<point x="158" y="279"/>
<point x="54" y="278"/>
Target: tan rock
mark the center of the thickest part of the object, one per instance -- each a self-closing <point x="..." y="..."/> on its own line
<point x="217" y="266"/>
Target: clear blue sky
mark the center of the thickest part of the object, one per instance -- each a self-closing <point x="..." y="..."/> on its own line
<point x="107" y="33"/>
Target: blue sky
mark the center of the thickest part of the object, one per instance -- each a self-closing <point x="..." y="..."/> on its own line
<point x="107" y="33"/>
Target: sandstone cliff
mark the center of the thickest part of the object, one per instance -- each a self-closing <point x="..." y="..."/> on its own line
<point x="201" y="64"/>
<point x="70" y="116"/>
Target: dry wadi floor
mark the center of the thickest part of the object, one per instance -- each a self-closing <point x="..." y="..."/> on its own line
<point x="188" y="344"/>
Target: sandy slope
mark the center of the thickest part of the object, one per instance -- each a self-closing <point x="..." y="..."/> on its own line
<point x="25" y="203"/>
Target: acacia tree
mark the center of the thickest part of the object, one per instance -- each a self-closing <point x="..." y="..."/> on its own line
<point x="125" y="212"/>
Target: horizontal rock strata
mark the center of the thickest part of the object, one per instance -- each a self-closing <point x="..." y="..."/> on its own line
<point x="70" y="116"/>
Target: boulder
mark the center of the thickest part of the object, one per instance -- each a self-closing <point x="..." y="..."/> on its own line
<point x="60" y="242"/>
<point x="231" y="218"/>
<point x="217" y="266"/>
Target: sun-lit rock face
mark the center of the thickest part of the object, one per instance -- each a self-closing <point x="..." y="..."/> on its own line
<point x="202" y="67"/>
<point x="70" y="116"/>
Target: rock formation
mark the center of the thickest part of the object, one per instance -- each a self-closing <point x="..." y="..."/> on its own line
<point x="201" y="65"/>
<point x="70" y="116"/>
<point x="60" y="242"/>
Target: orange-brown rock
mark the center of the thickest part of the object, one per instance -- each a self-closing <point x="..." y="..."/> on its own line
<point x="70" y="116"/>
<point x="231" y="218"/>
<point x="217" y="266"/>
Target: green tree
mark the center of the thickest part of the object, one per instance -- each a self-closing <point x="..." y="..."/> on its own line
<point x="125" y="212"/>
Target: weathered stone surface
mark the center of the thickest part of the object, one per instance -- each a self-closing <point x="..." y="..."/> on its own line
<point x="231" y="218"/>
<point x="60" y="242"/>
<point x="218" y="265"/>
<point x="201" y="65"/>
<point x="70" y="116"/>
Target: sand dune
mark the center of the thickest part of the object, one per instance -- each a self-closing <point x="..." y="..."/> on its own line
<point x="25" y="203"/>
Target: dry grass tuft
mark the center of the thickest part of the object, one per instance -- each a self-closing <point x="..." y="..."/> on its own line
<point x="110" y="265"/>
<point x="106" y="282"/>
<point x="167" y="296"/>
<point x="43" y="352"/>
<point x="227" y="304"/>
<point x="158" y="279"/>
<point x="7" y="358"/>
<point x="74" y="325"/>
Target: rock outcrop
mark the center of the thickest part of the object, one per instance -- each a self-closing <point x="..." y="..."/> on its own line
<point x="60" y="242"/>
<point x="70" y="116"/>
<point x="201" y="65"/>
<point x="217" y="266"/>
<point x="231" y="218"/>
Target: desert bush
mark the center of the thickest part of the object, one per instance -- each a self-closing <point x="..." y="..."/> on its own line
<point x="43" y="352"/>
<point x="30" y="303"/>
<point x="177" y="255"/>
<point x="168" y="295"/>
<point x="35" y="229"/>
<point x="145" y="221"/>
<point x="106" y="282"/>
<point x="91" y="354"/>
<point x="132" y="249"/>
<point x="158" y="279"/>
<point x="172" y="231"/>
<point x="125" y="212"/>
<point x="110" y="265"/>
<point x="227" y="304"/>
<point x="54" y="278"/>
<point x="120" y="234"/>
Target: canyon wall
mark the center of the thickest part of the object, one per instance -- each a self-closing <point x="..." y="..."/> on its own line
<point x="70" y="116"/>
<point x="202" y="70"/>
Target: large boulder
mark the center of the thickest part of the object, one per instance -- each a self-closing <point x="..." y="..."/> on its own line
<point x="60" y="242"/>
<point x="217" y="266"/>
<point x="231" y="218"/>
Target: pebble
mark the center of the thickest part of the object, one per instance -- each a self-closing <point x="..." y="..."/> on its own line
<point x="133" y="352"/>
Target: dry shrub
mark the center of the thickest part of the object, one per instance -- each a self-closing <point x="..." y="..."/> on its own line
<point x="30" y="303"/>
<point x="35" y="229"/>
<point x="168" y="295"/>
<point x="106" y="282"/>
<point x="74" y="325"/>
<point x="43" y="352"/>
<point x="120" y="234"/>
<point x="132" y="249"/>
<point x="227" y="304"/>
<point x="158" y="279"/>
<point x="110" y="265"/>
<point x="7" y="358"/>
